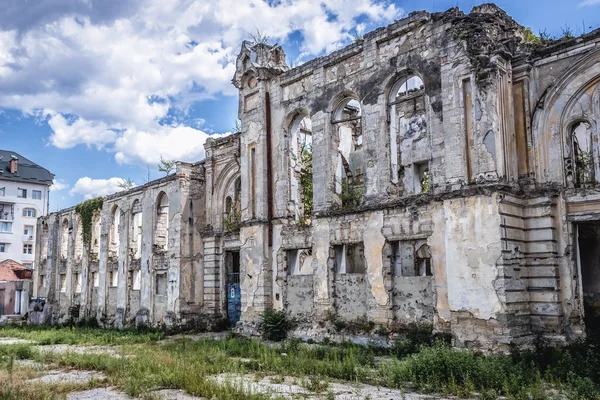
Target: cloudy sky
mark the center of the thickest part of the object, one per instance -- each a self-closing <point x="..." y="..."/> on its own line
<point x="98" y="90"/>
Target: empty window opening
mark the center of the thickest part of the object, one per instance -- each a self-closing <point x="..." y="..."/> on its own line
<point x="588" y="240"/>
<point x="350" y="258"/>
<point x="135" y="245"/>
<point x="63" y="283"/>
<point x="423" y="261"/>
<point x="96" y="233"/>
<point x="232" y="214"/>
<point x="232" y="265"/>
<point x="78" y="243"/>
<point x="348" y="131"/>
<point x="115" y="228"/>
<point x="583" y="157"/>
<point x="253" y="182"/>
<point x="64" y="239"/>
<point x="161" y="230"/>
<point x="301" y="168"/>
<point x="407" y="120"/>
<point x="299" y="262"/>
<point x="113" y="278"/>
<point x="135" y="279"/>
<point x="421" y="177"/>
<point x="161" y="284"/>
<point x="96" y="279"/>
<point x="44" y="243"/>
<point x="77" y="284"/>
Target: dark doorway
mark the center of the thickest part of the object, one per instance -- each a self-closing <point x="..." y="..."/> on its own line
<point x="234" y="295"/>
<point x="589" y="261"/>
<point x="1" y="301"/>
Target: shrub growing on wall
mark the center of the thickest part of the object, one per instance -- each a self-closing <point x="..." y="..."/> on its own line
<point x="86" y="212"/>
<point x="275" y="325"/>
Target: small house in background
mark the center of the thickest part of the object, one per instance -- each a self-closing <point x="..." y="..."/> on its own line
<point x="15" y="287"/>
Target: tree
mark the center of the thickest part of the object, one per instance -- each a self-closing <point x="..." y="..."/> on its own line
<point x="126" y="184"/>
<point x="166" y="166"/>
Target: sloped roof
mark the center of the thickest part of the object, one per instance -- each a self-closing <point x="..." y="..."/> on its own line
<point x="10" y="270"/>
<point x="27" y="170"/>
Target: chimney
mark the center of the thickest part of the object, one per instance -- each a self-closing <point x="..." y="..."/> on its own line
<point x="14" y="162"/>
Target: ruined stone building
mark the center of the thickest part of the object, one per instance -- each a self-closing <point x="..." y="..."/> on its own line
<point x="439" y="170"/>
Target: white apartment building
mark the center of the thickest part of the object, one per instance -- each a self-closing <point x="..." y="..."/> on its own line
<point x="24" y="191"/>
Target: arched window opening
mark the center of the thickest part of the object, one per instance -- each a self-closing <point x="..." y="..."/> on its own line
<point x="44" y="244"/>
<point x="232" y="213"/>
<point x="64" y="239"/>
<point x="583" y="157"/>
<point x="301" y="177"/>
<point x="78" y="242"/>
<point x="96" y="232"/>
<point x="423" y="261"/>
<point x="135" y="245"/>
<point x="115" y="228"/>
<point x="161" y="230"/>
<point x="349" y="179"/>
<point x="408" y="123"/>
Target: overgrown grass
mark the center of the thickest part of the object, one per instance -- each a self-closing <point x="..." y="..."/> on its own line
<point x="79" y="335"/>
<point x="420" y="362"/>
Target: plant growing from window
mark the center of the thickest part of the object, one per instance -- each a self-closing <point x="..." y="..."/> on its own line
<point x="584" y="163"/>
<point x="306" y="182"/>
<point x="350" y="195"/>
<point x="232" y="220"/>
<point x="86" y="211"/>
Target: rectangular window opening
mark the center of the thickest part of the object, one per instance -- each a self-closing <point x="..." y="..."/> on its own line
<point x="350" y="258"/>
<point x="36" y="194"/>
<point x="77" y="279"/>
<point x="63" y="283"/>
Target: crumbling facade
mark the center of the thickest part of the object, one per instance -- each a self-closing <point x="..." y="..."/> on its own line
<point x="440" y="170"/>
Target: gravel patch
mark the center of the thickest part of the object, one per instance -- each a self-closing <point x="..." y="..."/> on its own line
<point x="67" y="348"/>
<point x="74" y="376"/>
<point x="5" y="340"/>
<point x="174" y="394"/>
<point x="196" y="337"/>
<point x="99" y="394"/>
<point x="290" y="388"/>
<point x="30" y="364"/>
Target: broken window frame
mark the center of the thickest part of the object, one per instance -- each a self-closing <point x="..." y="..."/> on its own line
<point x="64" y="239"/>
<point x="345" y="183"/>
<point x="583" y="160"/>
<point x="341" y="253"/>
<point x="300" y="168"/>
<point x="392" y="101"/>
<point x="162" y="216"/>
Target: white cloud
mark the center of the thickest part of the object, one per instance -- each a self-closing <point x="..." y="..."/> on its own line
<point x="58" y="185"/>
<point x="90" y="188"/>
<point x="589" y="3"/>
<point x="138" y="147"/>
<point x="104" y="74"/>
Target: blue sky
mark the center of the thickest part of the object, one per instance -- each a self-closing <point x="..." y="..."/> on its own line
<point x="99" y="90"/>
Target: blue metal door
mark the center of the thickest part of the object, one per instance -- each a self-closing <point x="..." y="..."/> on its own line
<point x="234" y="294"/>
<point x="234" y="302"/>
